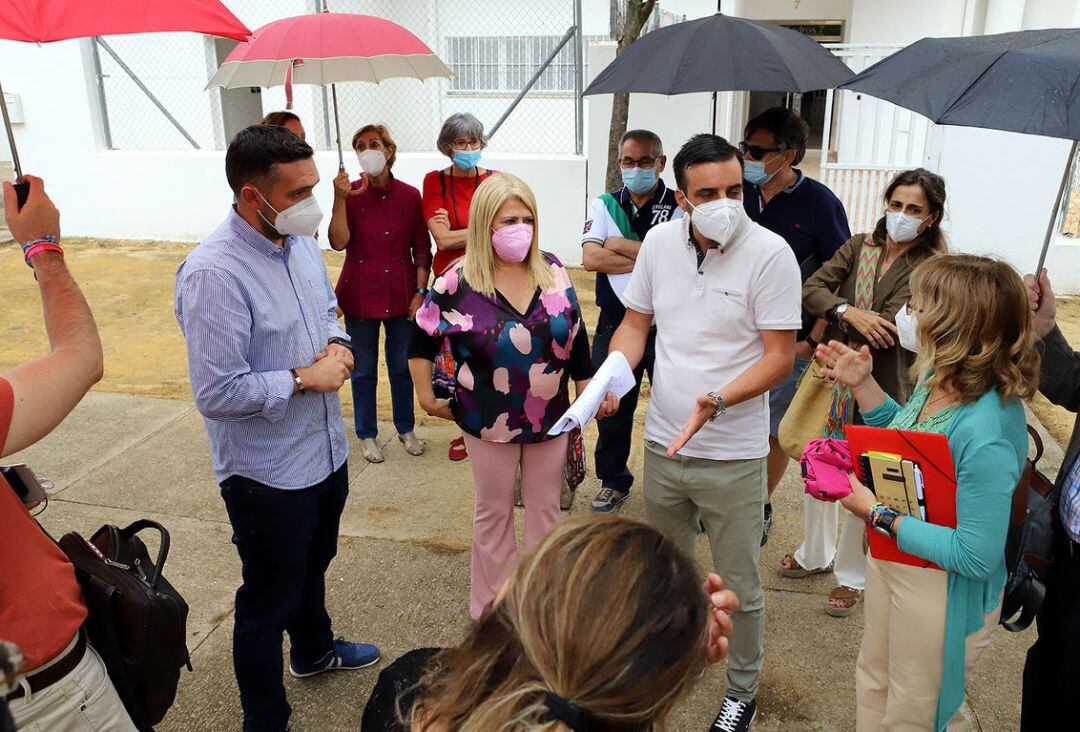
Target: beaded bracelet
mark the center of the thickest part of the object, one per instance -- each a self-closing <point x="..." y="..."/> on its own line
<point x="874" y="508"/>
<point x="42" y="244"/>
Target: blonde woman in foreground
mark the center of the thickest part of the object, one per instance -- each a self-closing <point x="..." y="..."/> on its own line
<point x="544" y="659"/>
<point x="969" y="323"/>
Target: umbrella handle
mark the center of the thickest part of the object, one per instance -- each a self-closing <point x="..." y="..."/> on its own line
<point x="1057" y="208"/>
<point x="337" y="129"/>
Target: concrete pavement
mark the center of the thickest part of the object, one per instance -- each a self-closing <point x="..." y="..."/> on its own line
<point x="400" y="579"/>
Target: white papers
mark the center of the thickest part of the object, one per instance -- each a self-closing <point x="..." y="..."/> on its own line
<point x="619" y="282"/>
<point x="614" y="375"/>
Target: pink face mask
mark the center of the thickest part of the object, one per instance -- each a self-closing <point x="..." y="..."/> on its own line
<point x="512" y="243"/>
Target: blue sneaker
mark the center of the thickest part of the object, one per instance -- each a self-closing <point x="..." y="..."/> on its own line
<point x="344" y="657"/>
<point x="608" y="500"/>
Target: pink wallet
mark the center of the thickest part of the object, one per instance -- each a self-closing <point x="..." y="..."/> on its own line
<point x="825" y="466"/>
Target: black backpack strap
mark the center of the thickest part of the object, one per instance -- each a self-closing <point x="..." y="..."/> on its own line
<point x="1026" y="597"/>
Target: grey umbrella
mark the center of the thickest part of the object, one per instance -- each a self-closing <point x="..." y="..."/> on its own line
<point x="1027" y="81"/>
<point x="721" y="53"/>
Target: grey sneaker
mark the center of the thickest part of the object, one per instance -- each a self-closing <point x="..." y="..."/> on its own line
<point x="413" y="444"/>
<point x="608" y="500"/>
<point x="370" y="450"/>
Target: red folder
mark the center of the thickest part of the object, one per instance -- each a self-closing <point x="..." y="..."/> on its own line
<point x="931" y="452"/>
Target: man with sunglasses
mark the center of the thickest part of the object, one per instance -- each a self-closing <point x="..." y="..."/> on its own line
<point x="616" y="225"/>
<point x="811" y="220"/>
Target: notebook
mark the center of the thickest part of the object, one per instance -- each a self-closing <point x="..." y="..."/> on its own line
<point x="929" y="452"/>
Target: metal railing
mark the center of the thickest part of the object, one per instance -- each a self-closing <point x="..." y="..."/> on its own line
<point x="865" y="141"/>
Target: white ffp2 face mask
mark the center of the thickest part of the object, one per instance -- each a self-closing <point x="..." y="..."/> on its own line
<point x="717" y="220"/>
<point x="300" y="219"/>
<point x="907" y="328"/>
<point x="372" y="162"/>
<point x="902" y="228"/>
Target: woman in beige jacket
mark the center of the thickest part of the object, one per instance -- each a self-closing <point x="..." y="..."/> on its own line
<point x="907" y="233"/>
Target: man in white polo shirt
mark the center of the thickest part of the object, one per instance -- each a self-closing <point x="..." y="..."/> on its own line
<point x="725" y="296"/>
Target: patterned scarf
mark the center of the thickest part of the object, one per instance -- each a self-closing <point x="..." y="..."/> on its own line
<point x="842" y="404"/>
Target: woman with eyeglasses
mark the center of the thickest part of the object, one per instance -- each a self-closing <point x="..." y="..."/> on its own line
<point x="448" y="193"/>
<point x="969" y="324"/>
<point x="859" y="292"/>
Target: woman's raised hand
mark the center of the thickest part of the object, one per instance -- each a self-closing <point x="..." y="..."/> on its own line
<point x="849" y="367"/>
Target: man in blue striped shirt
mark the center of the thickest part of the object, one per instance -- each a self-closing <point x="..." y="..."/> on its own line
<point x="267" y="357"/>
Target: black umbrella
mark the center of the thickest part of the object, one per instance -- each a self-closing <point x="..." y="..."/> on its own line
<point x="721" y="53"/>
<point x="1028" y="81"/>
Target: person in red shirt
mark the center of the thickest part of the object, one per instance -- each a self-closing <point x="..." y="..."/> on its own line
<point x="62" y="684"/>
<point x="379" y="222"/>
<point x="448" y="194"/>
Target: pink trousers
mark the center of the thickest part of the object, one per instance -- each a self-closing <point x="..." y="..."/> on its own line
<point x="494" y="545"/>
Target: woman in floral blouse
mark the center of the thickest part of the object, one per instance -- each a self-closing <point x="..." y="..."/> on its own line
<point x="518" y="338"/>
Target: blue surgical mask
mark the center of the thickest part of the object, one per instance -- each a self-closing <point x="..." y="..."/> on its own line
<point x="754" y="172"/>
<point x="466" y="159"/>
<point x="639" y="180"/>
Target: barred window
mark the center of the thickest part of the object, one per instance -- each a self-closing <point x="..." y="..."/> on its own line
<point x="504" y="64"/>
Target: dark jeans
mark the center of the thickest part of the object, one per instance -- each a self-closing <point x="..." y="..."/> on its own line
<point x="613" y="443"/>
<point x="365" y="376"/>
<point x="286" y="539"/>
<point x="1052" y="671"/>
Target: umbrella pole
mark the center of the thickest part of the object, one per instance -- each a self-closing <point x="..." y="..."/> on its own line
<point x="337" y="129"/>
<point x="10" y="137"/>
<point x="714" y="113"/>
<point x="1057" y="208"/>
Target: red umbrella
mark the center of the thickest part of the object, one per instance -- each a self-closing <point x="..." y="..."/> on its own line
<point x="41" y="21"/>
<point x="324" y="48"/>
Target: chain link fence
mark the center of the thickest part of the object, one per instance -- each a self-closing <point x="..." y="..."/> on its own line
<point x="151" y="88"/>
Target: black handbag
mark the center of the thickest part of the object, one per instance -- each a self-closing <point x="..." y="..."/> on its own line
<point x="137" y="621"/>
<point x="1029" y="544"/>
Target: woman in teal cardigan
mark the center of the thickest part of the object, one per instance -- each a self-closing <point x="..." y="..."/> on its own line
<point x="969" y="323"/>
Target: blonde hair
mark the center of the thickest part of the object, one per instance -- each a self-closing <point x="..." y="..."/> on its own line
<point x="974" y="327"/>
<point x="624" y="667"/>
<point x="479" y="266"/>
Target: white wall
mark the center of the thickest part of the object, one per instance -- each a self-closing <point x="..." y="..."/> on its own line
<point x="182" y="195"/>
<point x="1001" y="188"/>
<point x="1050" y="13"/>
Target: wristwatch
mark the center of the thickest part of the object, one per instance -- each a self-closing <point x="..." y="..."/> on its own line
<point x="340" y="342"/>
<point x="721" y="407"/>
<point x="884" y="522"/>
<point x="839" y="310"/>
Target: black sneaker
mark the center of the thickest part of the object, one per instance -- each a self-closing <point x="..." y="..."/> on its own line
<point x="735" y="716"/>
<point x="766" y="524"/>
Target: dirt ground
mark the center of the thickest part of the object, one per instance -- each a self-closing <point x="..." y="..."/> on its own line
<point x="129" y="285"/>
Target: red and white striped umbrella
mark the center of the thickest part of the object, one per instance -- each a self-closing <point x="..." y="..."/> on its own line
<point x="326" y="48"/>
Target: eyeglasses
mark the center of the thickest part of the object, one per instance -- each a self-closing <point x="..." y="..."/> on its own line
<point x="463" y="145"/>
<point x="629" y="163"/>
<point x="756" y="152"/>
